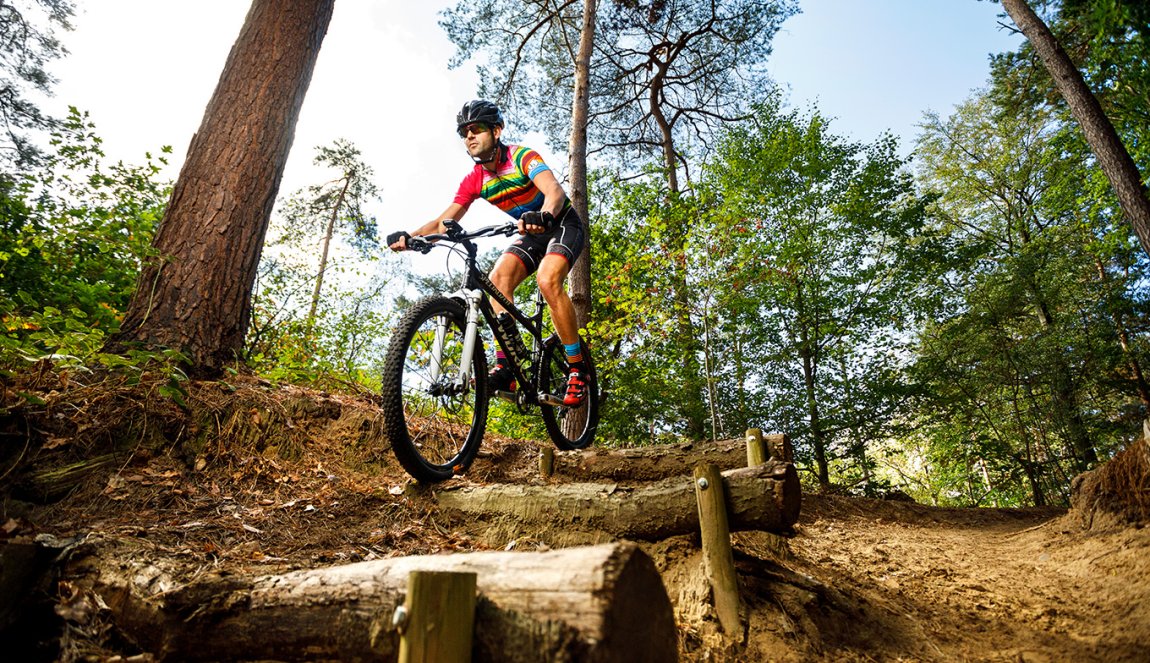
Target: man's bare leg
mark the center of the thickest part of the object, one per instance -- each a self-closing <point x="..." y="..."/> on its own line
<point x="552" y="273"/>
<point x="507" y="274"/>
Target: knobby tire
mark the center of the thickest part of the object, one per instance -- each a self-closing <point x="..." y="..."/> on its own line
<point x="558" y="420"/>
<point x="435" y="426"/>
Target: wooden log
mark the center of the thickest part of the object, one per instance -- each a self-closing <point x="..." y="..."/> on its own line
<point x="718" y="558"/>
<point x="767" y="497"/>
<point x="603" y="603"/>
<point x="780" y="448"/>
<point x="659" y="462"/>
<point x="51" y="483"/>
<point x="437" y="621"/>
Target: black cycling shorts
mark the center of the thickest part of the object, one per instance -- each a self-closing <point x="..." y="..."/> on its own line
<point x="565" y="239"/>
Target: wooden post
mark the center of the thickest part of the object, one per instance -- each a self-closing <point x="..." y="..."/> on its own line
<point x="756" y="450"/>
<point x="547" y="461"/>
<point x="439" y="617"/>
<point x="719" y="560"/>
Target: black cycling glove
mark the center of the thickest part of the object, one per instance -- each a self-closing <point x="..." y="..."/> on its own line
<point x="538" y="219"/>
<point x="394" y="237"/>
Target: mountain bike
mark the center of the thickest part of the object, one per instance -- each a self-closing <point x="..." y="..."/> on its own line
<point x="434" y="394"/>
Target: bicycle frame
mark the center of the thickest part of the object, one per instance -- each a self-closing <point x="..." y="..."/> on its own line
<point x="474" y="293"/>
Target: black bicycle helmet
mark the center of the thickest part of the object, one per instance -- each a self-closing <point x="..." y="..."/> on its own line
<point x="478" y="110"/>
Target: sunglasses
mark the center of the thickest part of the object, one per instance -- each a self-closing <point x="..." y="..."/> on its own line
<point x="473" y="128"/>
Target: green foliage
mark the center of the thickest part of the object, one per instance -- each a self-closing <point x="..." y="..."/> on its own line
<point x="821" y="240"/>
<point x="633" y="323"/>
<point x="1109" y="41"/>
<point x="74" y="232"/>
<point x="800" y="254"/>
<point x="1024" y="361"/>
<point x="343" y="342"/>
<point x="304" y="332"/>
<point x="340" y="203"/>
<point x="67" y="341"/>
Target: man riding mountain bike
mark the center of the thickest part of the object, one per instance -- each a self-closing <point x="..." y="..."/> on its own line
<point x="515" y="179"/>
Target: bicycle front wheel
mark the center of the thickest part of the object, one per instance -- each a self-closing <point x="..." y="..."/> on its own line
<point x="568" y="427"/>
<point x="433" y="417"/>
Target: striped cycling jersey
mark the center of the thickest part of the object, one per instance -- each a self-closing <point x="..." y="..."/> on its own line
<point x="510" y="187"/>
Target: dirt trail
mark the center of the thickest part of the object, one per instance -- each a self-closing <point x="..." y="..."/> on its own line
<point x="975" y="585"/>
<point x="293" y="479"/>
<point x="878" y="580"/>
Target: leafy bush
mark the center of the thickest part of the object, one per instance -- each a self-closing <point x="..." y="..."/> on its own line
<point x="73" y="232"/>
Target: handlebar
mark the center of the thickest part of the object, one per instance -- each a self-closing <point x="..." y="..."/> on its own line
<point x="456" y="235"/>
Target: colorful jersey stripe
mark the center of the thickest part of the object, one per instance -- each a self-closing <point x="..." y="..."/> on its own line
<point x="510" y="187"/>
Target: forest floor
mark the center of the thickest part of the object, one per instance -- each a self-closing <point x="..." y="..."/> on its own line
<point x="284" y="478"/>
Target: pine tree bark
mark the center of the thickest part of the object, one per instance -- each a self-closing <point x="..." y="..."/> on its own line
<point x="580" y="277"/>
<point x="1112" y="155"/>
<point x="195" y="296"/>
<point x="579" y="280"/>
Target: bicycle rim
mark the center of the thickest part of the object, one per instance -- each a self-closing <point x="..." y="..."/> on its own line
<point x="435" y="423"/>
<point x="568" y="428"/>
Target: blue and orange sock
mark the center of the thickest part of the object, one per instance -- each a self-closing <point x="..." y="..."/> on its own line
<point x="574" y="354"/>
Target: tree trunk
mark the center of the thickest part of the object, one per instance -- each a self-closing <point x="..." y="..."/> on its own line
<point x="580" y="277"/>
<point x="818" y="440"/>
<point x="1100" y="134"/>
<point x="600" y="603"/>
<point x="579" y="280"/>
<point x="196" y="295"/>
<point x="766" y="498"/>
<point x="690" y="397"/>
<point x="1033" y="477"/>
<point x="328" y="234"/>
<point x="1064" y="393"/>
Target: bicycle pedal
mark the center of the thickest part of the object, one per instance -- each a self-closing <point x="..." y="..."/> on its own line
<point x="551" y="399"/>
<point x="511" y="396"/>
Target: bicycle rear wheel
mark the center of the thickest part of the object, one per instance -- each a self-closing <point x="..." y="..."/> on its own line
<point x="569" y="428"/>
<point x="435" y="423"/>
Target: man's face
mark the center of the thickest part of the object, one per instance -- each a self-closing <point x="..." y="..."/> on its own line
<point x="479" y="137"/>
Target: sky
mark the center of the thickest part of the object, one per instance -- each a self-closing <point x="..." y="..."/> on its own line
<point x="145" y="69"/>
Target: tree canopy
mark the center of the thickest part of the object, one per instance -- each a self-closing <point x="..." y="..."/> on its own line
<point x="28" y="43"/>
<point x="969" y="323"/>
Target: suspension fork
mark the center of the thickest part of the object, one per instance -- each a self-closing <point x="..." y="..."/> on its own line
<point x="471" y="334"/>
